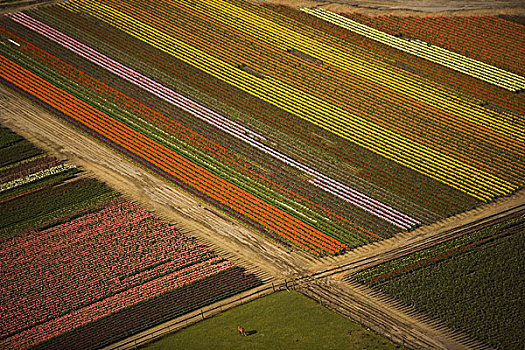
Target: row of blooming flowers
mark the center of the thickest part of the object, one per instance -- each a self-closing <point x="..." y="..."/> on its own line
<point x="98" y="262"/>
<point x="326" y="183"/>
<point x="449" y="59"/>
<point x="6" y="186"/>
<point x="437" y="164"/>
<point x="486" y="38"/>
<point x="60" y="278"/>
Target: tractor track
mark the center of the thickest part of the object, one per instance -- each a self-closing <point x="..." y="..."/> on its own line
<point x="373" y="259"/>
<point x="386" y="316"/>
<point x="315" y="278"/>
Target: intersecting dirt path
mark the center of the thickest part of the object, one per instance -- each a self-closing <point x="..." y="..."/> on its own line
<point x="235" y="241"/>
<point x="323" y="279"/>
<point x="407" y="242"/>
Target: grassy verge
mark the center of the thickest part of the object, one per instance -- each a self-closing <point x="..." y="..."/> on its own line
<point x="279" y="321"/>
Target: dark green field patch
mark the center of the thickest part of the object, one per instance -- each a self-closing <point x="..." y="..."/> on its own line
<point x="49" y="203"/>
<point x="479" y="291"/>
<point x="7" y="137"/>
<point x="17" y="151"/>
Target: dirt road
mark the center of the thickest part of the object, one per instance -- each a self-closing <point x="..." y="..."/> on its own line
<point x="234" y="240"/>
<point x="421" y="238"/>
<point x="386" y="317"/>
<point x="411" y="7"/>
<point x="237" y="242"/>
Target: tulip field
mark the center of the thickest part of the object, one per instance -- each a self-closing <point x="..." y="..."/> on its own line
<point x="473" y="283"/>
<point x="319" y="137"/>
<point x="99" y="264"/>
<point x="484" y="94"/>
<point x="79" y="262"/>
<point x="439" y="55"/>
<point x="484" y="38"/>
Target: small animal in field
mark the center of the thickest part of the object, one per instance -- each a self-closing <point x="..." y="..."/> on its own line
<point x="241" y="330"/>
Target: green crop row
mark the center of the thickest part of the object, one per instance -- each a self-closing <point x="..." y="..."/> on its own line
<point x="215" y="165"/>
<point x="326" y="151"/>
<point x="473" y="283"/>
<point x="479" y="292"/>
<point x="392" y="269"/>
<point x="17" y="151"/>
<point x="51" y="202"/>
<point x="7" y="137"/>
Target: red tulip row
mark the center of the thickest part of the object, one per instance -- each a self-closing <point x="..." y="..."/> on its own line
<point x="371" y="169"/>
<point x="129" y="321"/>
<point x="171" y="162"/>
<point x="458" y="81"/>
<point x="169" y="125"/>
<point x="308" y="194"/>
<point x="486" y="38"/>
<point x="409" y="121"/>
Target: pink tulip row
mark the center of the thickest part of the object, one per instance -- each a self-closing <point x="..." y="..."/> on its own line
<point x="99" y="309"/>
<point x="73" y="273"/>
<point x="322" y="181"/>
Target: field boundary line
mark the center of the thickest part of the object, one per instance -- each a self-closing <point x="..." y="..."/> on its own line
<point x="387" y="316"/>
<point x="200" y="314"/>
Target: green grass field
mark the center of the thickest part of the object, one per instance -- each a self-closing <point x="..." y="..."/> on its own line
<point x="285" y="320"/>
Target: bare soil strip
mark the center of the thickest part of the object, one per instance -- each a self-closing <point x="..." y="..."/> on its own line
<point x="421" y="8"/>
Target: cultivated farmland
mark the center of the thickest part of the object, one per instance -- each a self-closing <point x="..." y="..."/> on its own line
<point x="465" y="282"/>
<point x="484" y="38"/>
<point x="289" y="138"/>
<point x="276" y="126"/>
<point x="79" y="261"/>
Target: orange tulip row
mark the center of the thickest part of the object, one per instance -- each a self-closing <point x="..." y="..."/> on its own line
<point x="167" y="160"/>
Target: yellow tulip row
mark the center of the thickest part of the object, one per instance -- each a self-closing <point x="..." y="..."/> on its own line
<point x="480" y="70"/>
<point x="432" y="163"/>
<point x="285" y="36"/>
<point x="179" y="21"/>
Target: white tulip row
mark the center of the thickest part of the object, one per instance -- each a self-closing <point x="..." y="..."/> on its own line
<point x="34" y="177"/>
<point x="449" y="59"/>
<point x="324" y="182"/>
